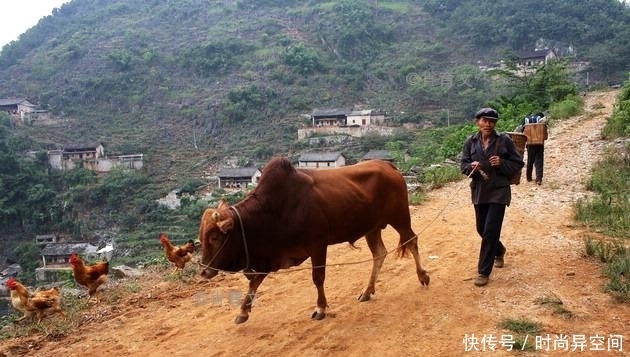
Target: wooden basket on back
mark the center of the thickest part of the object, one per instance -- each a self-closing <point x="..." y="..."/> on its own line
<point x="519" y="141"/>
<point x="536" y="133"/>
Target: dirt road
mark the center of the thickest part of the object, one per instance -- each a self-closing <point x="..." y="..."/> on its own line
<point x="168" y="317"/>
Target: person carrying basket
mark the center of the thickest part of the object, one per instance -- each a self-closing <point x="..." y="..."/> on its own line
<point x="535" y="128"/>
<point x="489" y="159"/>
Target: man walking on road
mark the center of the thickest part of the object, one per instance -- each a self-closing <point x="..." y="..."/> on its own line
<point x="535" y="128"/>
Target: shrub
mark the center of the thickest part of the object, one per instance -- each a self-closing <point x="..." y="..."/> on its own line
<point x="570" y="106"/>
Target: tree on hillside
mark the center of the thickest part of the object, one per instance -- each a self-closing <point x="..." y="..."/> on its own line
<point x="547" y="84"/>
<point x="22" y="183"/>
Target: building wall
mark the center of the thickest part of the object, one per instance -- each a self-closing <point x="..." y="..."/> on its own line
<point x="239" y="182"/>
<point x="69" y="164"/>
<point x="132" y="162"/>
<point x="366" y="117"/>
<point x="25" y="107"/>
<point x="326" y="122"/>
<point x="357" y="132"/>
<point x="341" y="161"/>
<point x="55" y="159"/>
<point x="93" y="160"/>
<point x="234" y="182"/>
<point x="358" y="120"/>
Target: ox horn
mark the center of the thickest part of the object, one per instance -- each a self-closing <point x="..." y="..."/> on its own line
<point x="222" y="203"/>
<point x="215" y="216"/>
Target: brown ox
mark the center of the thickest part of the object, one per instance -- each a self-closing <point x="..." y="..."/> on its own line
<point x="295" y="214"/>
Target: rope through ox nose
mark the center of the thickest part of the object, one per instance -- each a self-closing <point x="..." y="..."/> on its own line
<point x="206" y="266"/>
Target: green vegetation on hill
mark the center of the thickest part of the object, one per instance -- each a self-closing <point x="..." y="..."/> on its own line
<point x="196" y="80"/>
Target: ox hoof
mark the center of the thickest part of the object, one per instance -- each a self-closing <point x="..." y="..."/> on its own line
<point x="240" y="319"/>
<point x="425" y="279"/>
<point x="365" y="297"/>
<point x="318" y="315"/>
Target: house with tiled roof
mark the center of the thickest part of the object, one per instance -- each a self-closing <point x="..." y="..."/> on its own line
<point x="536" y="57"/>
<point x="238" y="177"/>
<point x="321" y="160"/>
<point x="91" y="156"/>
<point x="77" y="155"/>
<point x="330" y="117"/>
<point x="17" y="105"/>
<point x="59" y="253"/>
<point x="56" y="257"/>
<point x="346" y="117"/>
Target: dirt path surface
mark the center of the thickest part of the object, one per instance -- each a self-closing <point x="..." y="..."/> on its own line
<point x="171" y="317"/>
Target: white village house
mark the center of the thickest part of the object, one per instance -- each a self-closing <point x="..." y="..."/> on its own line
<point x="92" y="157"/>
<point x="238" y="177"/>
<point x="345" y="121"/>
<point x="321" y="160"/>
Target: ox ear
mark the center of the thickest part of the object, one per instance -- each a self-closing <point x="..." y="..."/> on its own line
<point x="224" y="224"/>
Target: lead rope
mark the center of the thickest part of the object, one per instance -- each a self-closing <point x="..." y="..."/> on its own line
<point x="240" y="221"/>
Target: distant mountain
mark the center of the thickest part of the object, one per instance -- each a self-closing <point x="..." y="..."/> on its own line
<point x="188" y="82"/>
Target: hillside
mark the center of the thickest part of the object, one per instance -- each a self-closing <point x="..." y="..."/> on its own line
<point x="190" y="82"/>
<point x="546" y="279"/>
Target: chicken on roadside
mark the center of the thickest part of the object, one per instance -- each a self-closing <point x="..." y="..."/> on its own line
<point x="41" y="303"/>
<point x="90" y="276"/>
<point x="178" y="255"/>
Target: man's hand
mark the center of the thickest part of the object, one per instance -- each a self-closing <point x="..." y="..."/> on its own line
<point x="495" y="161"/>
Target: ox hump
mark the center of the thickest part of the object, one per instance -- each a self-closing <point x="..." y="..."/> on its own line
<point x="279" y="164"/>
<point x="276" y="171"/>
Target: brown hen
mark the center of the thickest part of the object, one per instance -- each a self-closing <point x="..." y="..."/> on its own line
<point x="178" y="255"/>
<point x="90" y="276"/>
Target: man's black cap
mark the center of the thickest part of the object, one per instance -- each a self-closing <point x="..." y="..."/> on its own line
<point x="487" y="113"/>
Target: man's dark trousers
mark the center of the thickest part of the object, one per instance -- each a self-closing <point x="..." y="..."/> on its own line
<point x="489" y="220"/>
<point x="535" y="159"/>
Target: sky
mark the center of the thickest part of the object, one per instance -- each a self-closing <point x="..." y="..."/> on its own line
<point x="20" y="15"/>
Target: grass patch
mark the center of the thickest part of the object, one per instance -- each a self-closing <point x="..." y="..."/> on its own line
<point x="609" y="213"/>
<point x="616" y="255"/>
<point x="525" y="332"/>
<point x="609" y="210"/>
<point x="416" y="198"/>
<point x="604" y="250"/>
<point x="618" y="271"/>
<point x="555" y="303"/>
<point x="521" y="326"/>
<point x="188" y="273"/>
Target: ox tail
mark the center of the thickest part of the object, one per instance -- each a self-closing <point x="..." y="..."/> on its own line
<point x="405" y="244"/>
